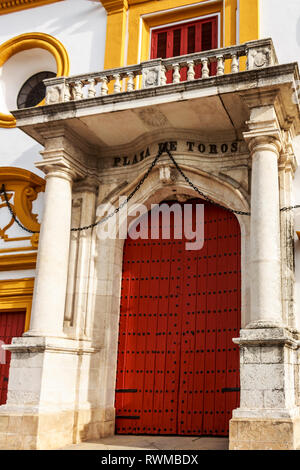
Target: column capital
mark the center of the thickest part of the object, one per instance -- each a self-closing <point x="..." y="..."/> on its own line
<point x="264" y="130"/>
<point x="60" y="167"/>
<point x="288" y="161"/>
<point x="257" y="142"/>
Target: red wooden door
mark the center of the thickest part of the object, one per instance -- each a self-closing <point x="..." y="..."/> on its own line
<point x="179" y="312"/>
<point x="185" y="38"/>
<point x="11" y="326"/>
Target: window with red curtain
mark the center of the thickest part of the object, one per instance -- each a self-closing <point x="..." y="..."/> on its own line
<point x="185" y="38"/>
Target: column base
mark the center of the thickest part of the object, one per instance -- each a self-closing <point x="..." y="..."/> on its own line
<point x="43" y="334"/>
<point x="258" y="324"/>
<point x="264" y="434"/>
<point x="46" y="431"/>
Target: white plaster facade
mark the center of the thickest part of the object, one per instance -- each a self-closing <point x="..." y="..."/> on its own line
<point x="280" y="20"/>
<point x="78" y="341"/>
<point x="78" y="25"/>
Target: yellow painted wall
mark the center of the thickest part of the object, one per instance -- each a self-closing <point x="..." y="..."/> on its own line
<point x="249" y="20"/>
<point x="126" y="21"/>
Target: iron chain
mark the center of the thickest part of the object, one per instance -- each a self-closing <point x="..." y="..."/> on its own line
<point x="198" y="190"/>
<point x="12" y="212"/>
<point x="163" y="149"/>
<point x="104" y="219"/>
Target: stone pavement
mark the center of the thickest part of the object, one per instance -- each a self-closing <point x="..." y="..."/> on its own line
<point x="120" y="442"/>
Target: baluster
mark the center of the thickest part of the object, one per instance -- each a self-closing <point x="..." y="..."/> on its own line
<point x="205" y="69"/>
<point x="234" y="63"/>
<point x="191" y="71"/>
<point x="117" y="85"/>
<point x="220" y="66"/>
<point x="104" y="87"/>
<point x="130" y="82"/>
<point x="176" y="73"/>
<point x="67" y="92"/>
<point x="92" y="89"/>
<point x="163" y="78"/>
<point x="78" y="90"/>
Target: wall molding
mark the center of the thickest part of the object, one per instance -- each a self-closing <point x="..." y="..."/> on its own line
<point x="18" y="261"/>
<point x="115" y="6"/>
<point x="16" y="294"/>
<point x="16" y="5"/>
<point x="22" y="188"/>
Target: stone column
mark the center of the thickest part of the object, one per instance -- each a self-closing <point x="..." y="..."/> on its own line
<point x="52" y="391"/>
<point x="268" y="416"/>
<point x="80" y="290"/>
<point x="52" y="263"/>
<point x="287" y="168"/>
<point x="265" y="232"/>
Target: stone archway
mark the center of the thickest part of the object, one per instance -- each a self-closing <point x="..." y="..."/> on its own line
<point x="109" y="267"/>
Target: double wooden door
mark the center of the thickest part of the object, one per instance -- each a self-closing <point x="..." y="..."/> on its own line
<point x="178" y="369"/>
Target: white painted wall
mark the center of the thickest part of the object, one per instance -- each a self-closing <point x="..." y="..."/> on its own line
<point x="16" y="71"/>
<point x="280" y="20"/>
<point x="80" y="25"/>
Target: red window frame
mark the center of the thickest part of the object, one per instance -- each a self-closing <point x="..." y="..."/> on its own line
<point x="170" y="43"/>
<point x="183" y="27"/>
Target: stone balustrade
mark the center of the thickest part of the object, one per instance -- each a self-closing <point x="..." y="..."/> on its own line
<point x="156" y="72"/>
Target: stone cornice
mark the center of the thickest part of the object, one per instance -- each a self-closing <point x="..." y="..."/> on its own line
<point x="60" y="163"/>
<point x="256" y="98"/>
<point x="267" y="335"/>
<point x="16" y="5"/>
<point x="270" y="97"/>
<point x="50" y="344"/>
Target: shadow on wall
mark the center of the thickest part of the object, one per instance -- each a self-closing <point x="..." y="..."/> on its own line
<point x="19" y="150"/>
<point x="28" y="158"/>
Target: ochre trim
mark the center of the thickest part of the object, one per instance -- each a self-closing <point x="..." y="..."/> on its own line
<point x="249" y="20"/>
<point x="16" y="294"/>
<point x="165" y="12"/>
<point x="115" y="32"/>
<point x="249" y="24"/>
<point x="16" y="5"/>
<point x="27" y="41"/>
<point x="114" y="6"/>
<point x="134" y="2"/>
<point x="17" y="249"/>
<point x="22" y="189"/>
<point x="18" y="261"/>
<point x="25" y="186"/>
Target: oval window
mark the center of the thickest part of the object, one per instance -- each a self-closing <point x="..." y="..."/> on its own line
<point x="33" y="91"/>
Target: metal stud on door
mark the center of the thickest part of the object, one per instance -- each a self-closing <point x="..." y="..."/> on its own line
<point x="178" y="370"/>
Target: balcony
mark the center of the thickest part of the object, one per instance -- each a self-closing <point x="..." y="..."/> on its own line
<point x="116" y="108"/>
